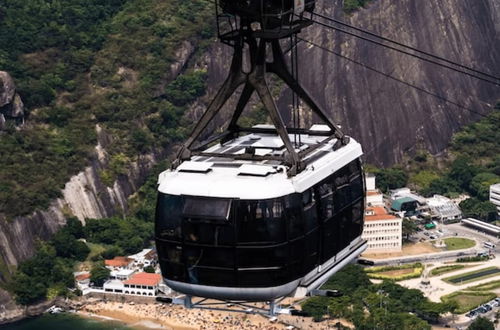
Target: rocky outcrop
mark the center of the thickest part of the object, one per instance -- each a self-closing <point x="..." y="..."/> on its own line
<point x="390" y="118"/>
<point x="84" y="196"/>
<point x="9" y="312"/>
<point x="11" y="105"/>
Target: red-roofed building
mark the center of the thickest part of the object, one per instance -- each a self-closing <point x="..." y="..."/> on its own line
<point x="118" y="262"/>
<point x="145" y="284"/>
<point x="382" y="230"/>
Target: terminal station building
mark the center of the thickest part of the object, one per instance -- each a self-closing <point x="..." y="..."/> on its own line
<point x="383" y="231"/>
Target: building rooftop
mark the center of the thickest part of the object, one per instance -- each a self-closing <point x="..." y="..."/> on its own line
<point x="398" y="203"/>
<point x="227" y="178"/>
<point x="82" y="277"/>
<point x="378" y="213"/>
<point x="148" y="279"/>
<point x="118" y="262"/>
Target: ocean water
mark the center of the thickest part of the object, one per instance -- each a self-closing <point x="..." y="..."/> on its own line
<point x="64" y="321"/>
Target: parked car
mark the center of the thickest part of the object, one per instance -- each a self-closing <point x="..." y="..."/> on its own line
<point x="366" y="262"/>
<point x="494" y="303"/>
<point x="481" y="310"/>
<point x="471" y="314"/>
<point x="497" y="299"/>
<point x="432" y="237"/>
<point x="487" y="307"/>
<point x="426" y="233"/>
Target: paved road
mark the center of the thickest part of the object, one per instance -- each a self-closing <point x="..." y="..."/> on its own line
<point x="452" y="230"/>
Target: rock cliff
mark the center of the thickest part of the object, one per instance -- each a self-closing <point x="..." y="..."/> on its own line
<point x="84" y="196"/>
<point x="387" y="117"/>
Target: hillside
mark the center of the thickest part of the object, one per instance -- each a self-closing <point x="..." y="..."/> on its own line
<point x="78" y="64"/>
<point x="110" y="88"/>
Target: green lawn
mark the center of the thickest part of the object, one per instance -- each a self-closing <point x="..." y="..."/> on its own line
<point x="473" y="276"/>
<point x="486" y="286"/>
<point x="468" y="300"/>
<point x="445" y="269"/>
<point x="458" y="243"/>
<point x="396" y="273"/>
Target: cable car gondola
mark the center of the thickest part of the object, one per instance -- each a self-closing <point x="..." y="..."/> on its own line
<point x="249" y="214"/>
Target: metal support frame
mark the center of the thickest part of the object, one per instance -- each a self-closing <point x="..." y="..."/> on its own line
<point x="238" y="306"/>
<point x="255" y="81"/>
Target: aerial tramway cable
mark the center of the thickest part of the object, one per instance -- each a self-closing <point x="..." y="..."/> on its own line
<point x="473" y="75"/>
<point x="458" y="105"/>
<point x="406" y="46"/>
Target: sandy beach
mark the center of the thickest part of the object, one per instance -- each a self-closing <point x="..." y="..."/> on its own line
<point x="173" y="317"/>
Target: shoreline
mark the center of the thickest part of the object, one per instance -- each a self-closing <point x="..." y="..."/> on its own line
<point x="175" y="317"/>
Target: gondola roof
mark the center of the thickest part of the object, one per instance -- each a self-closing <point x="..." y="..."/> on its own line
<point x="256" y="179"/>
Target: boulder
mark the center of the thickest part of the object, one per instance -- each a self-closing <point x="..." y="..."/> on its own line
<point x="7" y="89"/>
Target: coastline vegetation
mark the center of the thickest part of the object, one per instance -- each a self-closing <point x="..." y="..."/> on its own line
<point x="390" y="305"/>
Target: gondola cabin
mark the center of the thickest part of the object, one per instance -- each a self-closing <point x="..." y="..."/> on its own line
<point x="245" y="230"/>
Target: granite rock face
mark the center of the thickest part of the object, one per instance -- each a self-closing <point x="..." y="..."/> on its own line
<point x="11" y="105"/>
<point x="387" y="117"/>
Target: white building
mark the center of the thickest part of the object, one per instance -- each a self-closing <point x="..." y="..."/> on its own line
<point x="121" y="274"/>
<point x="144" y="284"/>
<point x="139" y="284"/>
<point x="113" y="286"/>
<point x="406" y="192"/>
<point x="444" y="209"/>
<point x="147" y="257"/>
<point x="495" y="196"/>
<point x="373" y="196"/>
<point x="383" y="231"/>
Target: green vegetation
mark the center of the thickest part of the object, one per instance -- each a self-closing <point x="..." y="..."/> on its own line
<point x="408" y="228"/>
<point x="486" y="286"/>
<point x="467" y="300"/>
<point x="49" y="272"/>
<point x="472" y="166"/>
<point x="95" y="63"/>
<point x="99" y="274"/>
<point x="481" y="323"/>
<point x="129" y="234"/>
<point x="473" y="259"/>
<point x="473" y="276"/>
<point x="445" y="269"/>
<point x="389" y="178"/>
<point x="396" y="273"/>
<point x="352" y="5"/>
<point x="375" y="306"/>
<point x="458" y="243"/>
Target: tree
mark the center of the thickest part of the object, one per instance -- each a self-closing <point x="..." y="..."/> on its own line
<point x="149" y="269"/>
<point x="475" y="208"/>
<point x="99" y="274"/>
<point x="391" y="178"/>
<point x="74" y="227"/>
<point x="462" y="171"/>
<point x="28" y="290"/>
<point x="112" y="252"/>
<point x="409" y="228"/>
<point x="481" y="323"/>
